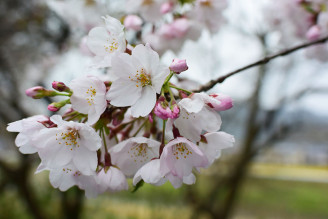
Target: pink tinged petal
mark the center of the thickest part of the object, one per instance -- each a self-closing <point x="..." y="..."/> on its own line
<point x="180" y="156"/>
<point x="85" y="160"/>
<point x="21" y="140"/>
<point x="89" y="138"/>
<point x="158" y="76"/>
<point x="113" y="25"/>
<point x="89" y="184"/>
<point x="15" y="126"/>
<point x="133" y="153"/>
<point x="186" y="125"/>
<point x="117" y="180"/>
<point x="148" y="58"/>
<point x="123" y="93"/>
<point x="62" y="157"/>
<point x="62" y="178"/>
<point x="145" y="103"/>
<point x="189" y="180"/>
<point x="57" y="119"/>
<point x="209" y="120"/>
<point x="191" y="105"/>
<point x="93" y="116"/>
<point x="41" y="168"/>
<point x="28" y="149"/>
<point x="89" y="97"/>
<point x="150" y="173"/>
<point x="97" y="40"/>
<point x="46" y="138"/>
<point x="216" y="141"/>
<point x="125" y="66"/>
<point x="174" y="180"/>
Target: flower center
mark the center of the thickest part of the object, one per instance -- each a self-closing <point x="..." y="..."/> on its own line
<point x="206" y="3"/>
<point x="69" y="171"/>
<point x="147" y="2"/>
<point x="181" y="151"/>
<point x="112" y="45"/>
<point x="68" y="138"/>
<point x="185" y="115"/>
<point x="91" y="92"/>
<point x="141" y="78"/>
<point x="139" y="153"/>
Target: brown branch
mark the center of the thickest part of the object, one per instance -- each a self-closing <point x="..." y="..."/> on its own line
<point x="265" y="60"/>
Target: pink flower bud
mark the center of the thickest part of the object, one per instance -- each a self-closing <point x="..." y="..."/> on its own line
<point x="133" y="22"/>
<point x="60" y="86"/>
<point x="53" y="108"/>
<point x="39" y="92"/>
<point x="177" y="29"/>
<point x="178" y="65"/>
<point x="167" y="7"/>
<point x="35" y="92"/>
<point x="221" y="103"/>
<point x="163" y="111"/>
<point x="313" y="33"/>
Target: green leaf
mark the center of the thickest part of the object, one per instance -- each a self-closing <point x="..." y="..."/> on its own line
<point x="139" y="184"/>
<point x="185" y="1"/>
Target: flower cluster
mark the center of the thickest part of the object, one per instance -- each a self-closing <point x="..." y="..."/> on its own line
<point x="137" y="125"/>
<point x="164" y="24"/>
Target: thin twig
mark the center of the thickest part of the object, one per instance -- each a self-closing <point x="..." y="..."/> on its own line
<point x="265" y="60"/>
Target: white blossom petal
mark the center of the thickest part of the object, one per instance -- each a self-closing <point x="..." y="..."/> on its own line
<point x="145" y="103"/>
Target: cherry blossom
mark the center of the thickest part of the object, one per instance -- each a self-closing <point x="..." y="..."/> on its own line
<point x="68" y="142"/>
<point x="89" y="97"/>
<point x="150" y="10"/>
<point x="27" y="128"/>
<point x="214" y="143"/>
<point x="178" y="159"/>
<point x="150" y="173"/>
<point x="172" y="36"/>
<point x="209" y="12"/>
<point x="112" y="180"/>
<point x="141" y="76"/>
<point x="131" y="154"/>
<point x="67" y="176"/>
<point x="193" y="111"/>
<point x="106" y="42"/>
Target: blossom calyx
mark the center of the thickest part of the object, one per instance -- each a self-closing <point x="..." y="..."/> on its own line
<point x="39" y="92"/>
<point x="178" y="66"/>
<point x="164" y="111"/>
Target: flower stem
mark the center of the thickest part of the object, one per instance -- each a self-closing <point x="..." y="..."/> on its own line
<point x="168" y="78"/>
<point x="63" y="94"/>
<point x="178" y="88"/>
<point x="171" y="95"/>
<point x="102" y="132"/>
<point x="163" y="135"/>
<point x="143" y="124"/>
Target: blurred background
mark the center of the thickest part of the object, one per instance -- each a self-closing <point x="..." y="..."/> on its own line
<point x="279" y="165"/>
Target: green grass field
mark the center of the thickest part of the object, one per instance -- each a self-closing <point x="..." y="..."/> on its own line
<point x="259" y="198"/>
